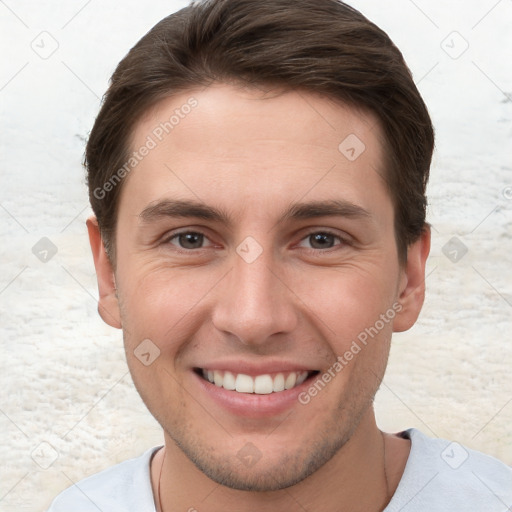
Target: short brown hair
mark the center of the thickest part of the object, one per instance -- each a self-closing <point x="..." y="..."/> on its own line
<point x="321" y="46"/>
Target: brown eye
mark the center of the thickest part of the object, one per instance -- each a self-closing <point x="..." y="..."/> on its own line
<point x="321" y="240"/>
<point x="188" y="240"/>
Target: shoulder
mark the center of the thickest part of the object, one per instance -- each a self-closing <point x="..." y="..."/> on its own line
<point x="445" y="475"/>
<point x="125" y="486"/>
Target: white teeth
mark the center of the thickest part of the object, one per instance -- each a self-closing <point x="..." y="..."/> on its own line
<point x="279" y="382"/>
<point x="261" y="384"/>
<point x="217" y="378"/>
<point x="229" y="381"/>
<point x="301" y="378"/>
<point x="290" y="381"/>
<point x="244" y="383"/>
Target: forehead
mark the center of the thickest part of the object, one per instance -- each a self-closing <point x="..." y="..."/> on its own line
<point x="263" y="147"/>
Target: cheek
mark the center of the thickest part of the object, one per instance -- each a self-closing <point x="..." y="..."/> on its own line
<point x="349" y="302"/>
<point x="159" y="303"/>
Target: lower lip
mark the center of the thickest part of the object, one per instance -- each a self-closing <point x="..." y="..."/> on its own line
<point x="252" y="405"/>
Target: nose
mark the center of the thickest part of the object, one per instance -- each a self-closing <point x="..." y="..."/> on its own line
<point x="254" y="302"/>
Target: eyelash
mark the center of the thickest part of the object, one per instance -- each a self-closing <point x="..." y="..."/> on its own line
<point x="327" y="232"/>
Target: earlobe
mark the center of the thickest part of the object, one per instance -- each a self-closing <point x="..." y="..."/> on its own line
<point x="108" y="305"/>
<point x="412" y="285"/>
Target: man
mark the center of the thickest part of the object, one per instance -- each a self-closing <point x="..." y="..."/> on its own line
<point x="257" y="173"/>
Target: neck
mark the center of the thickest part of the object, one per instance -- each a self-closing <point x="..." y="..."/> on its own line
<point x="362" y="476"/>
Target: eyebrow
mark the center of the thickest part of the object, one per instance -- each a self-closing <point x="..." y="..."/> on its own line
<point x="175" y="208"/>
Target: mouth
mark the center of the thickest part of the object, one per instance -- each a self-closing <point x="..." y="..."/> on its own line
<point x="264" y="384"/>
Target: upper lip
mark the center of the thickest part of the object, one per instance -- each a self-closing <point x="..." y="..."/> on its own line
<point x="251" y="368"/>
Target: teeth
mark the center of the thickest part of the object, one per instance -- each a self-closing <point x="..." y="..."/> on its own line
<point x="301" y="378"/>
<point x="260" y="385"/>
<point x="229" y="381"/>
<point x="263" y="384"/>
<point x="279" y="382"/>
<point x="217" y="378"/>
<point x="290" y="381"/>
<point x="244" y="383"/>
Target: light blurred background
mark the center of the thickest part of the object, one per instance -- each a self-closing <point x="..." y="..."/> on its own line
<point x="68" y="407"/>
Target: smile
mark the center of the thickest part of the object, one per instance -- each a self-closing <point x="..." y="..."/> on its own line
<point x="264" y="384"/>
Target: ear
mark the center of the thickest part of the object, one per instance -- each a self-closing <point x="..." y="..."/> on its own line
<point x="108" y="305"/>
<point x="412" y="283"/>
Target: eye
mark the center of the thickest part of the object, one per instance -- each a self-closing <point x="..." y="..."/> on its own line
<point x="191" y="240"/>
<point x="322" y="240"/>
<point x="187" y="240"/>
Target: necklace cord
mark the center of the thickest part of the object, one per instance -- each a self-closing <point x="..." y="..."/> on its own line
<point x="158" y="486"/>
<point x="388" y="495"/>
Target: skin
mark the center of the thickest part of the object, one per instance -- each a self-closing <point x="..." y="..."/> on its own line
<point x="253" y="154"/>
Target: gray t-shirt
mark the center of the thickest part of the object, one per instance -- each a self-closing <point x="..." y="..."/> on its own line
<point x="439" y="476"/>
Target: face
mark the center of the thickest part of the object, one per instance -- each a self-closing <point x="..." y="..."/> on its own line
<point x="255" y="249"/>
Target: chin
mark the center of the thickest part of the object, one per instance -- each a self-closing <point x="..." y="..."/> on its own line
<point x="270" y="472"/>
